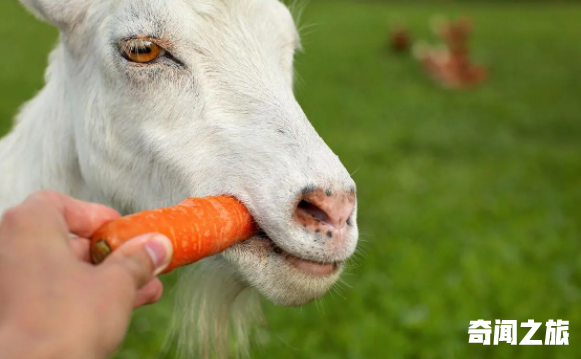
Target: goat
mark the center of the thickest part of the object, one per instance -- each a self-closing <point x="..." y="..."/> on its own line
<point x="148" y="102"/>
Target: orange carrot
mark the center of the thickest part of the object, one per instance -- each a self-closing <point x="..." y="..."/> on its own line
<point x="198" y="228"/>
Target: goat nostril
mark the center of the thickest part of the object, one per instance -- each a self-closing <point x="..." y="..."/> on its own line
<point x="323" y="210"/>
<point x="313" y="211"/>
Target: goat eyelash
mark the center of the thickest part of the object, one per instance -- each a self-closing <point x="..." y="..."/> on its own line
<point x="150" y="46"/>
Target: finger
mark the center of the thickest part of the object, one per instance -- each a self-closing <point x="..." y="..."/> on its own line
<point x="81" y="248"/>
<point x="54" y="210"/>
<point x="149" y="294"/>
<point x="140" y="259"/>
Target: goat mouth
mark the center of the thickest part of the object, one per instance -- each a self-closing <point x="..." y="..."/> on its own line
<point x="309" y="267"/>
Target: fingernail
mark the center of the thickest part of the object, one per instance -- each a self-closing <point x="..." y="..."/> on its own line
<point x="160" y="250"/>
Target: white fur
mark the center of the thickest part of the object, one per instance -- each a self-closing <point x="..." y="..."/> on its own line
<point x="222" y="120"/>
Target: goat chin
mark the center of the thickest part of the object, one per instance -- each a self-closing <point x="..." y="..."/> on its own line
<point x="215" y="312"/>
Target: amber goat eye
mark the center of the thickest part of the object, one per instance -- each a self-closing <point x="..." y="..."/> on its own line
<point x="141" y="51"/>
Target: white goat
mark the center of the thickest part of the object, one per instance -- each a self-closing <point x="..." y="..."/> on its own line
<point x="148" y="102"/>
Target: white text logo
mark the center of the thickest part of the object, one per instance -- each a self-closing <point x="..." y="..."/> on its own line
<point x="480" y="332"/>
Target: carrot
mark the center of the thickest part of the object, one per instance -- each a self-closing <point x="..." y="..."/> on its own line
<point x="198" y="228"/>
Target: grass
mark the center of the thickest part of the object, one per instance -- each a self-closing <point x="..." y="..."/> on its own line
<point x="469" y="202"/>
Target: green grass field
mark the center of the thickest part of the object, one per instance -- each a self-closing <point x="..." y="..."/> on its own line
<point x="470" y="203"/>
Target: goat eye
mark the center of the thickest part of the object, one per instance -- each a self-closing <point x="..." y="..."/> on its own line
<point x="141" y="51"/>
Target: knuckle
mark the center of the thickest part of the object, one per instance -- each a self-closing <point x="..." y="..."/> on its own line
<point x="46" y="195"/>
<point x="14" y="217"/>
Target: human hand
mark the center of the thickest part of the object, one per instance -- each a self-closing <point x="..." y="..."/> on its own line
<point x="53" y="302"/>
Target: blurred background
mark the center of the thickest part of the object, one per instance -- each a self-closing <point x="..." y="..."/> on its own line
<point x="470" y="200"/>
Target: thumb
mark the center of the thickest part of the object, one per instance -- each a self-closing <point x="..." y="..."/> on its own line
<point x="142" y="258"/>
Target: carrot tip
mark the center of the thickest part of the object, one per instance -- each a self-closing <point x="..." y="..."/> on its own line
<point x="101" y="250"/>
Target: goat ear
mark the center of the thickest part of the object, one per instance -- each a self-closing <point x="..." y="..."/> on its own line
<point x="60" y="13"/>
